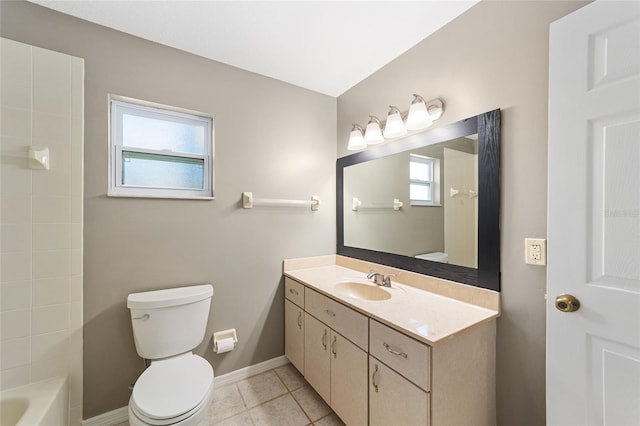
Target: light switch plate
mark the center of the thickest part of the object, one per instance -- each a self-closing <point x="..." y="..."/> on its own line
<point x="535" y="250"/>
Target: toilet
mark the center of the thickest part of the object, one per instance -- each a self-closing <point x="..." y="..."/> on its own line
<point x="435" y="256"/>
<point x="178" y="385"/>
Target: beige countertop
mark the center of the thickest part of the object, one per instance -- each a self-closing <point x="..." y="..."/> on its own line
<point x="426" y="316"/>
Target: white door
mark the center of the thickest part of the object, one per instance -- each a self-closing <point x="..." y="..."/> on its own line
<point x="593" y="353"/>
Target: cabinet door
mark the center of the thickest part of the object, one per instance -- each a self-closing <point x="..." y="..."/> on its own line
<point x="317" y="340"/>
<point x="348" y="381"/>
<point x="393" y="400"/>
<point x="294" y="335"/>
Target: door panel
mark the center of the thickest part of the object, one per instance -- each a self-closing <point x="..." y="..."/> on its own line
<point x="593" y="353"/>
<point x="294" y="334"/>
<point x="316" y="356"/>
<point x="393" y="400"/>
<point x="348" y="381"/>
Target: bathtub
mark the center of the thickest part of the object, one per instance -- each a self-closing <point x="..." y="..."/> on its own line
<point x="41" y="403"/>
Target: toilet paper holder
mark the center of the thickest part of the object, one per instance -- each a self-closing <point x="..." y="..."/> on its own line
<point x="224" y="337"/>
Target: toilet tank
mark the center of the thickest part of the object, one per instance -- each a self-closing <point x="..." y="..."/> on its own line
<point x="171" y="321"/>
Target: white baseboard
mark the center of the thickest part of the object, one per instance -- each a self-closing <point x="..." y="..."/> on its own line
<point x="252" y="370"/>
<point x="117" y="416"/>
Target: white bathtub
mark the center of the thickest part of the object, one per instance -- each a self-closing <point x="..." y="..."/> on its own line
<point x="41" y="403"/>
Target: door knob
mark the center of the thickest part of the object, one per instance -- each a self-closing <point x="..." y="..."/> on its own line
<point x="567" y="303"/>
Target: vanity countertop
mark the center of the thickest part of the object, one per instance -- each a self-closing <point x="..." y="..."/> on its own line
<point x="426" y="316"/>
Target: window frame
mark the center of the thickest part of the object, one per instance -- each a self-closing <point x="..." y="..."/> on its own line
<point x="118" y="105"/>
<point x="433" y="181"/>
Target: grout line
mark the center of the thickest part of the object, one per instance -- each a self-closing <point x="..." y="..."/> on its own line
<point x="288" y="391"/>
<point x="301" y="408"/>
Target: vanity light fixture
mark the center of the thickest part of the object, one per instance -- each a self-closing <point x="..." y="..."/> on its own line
<point x="421" y="115"/>
<point x="356" y="138"/>
<point x="418" y="117"/>
<point x="395" y="125"/>
<point x="373" y="132"/>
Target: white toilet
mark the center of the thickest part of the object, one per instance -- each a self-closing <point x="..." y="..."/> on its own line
<point x="436" y="256"/>
<point x="178" y="385"/>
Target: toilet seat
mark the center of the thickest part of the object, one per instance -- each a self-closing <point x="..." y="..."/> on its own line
<point x="172" y="389"/>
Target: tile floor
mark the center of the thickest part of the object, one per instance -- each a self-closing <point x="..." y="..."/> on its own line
<point x="277" y="397"/>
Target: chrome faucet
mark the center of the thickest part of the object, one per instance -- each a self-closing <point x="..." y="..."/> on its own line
<point x="380" y="279"/>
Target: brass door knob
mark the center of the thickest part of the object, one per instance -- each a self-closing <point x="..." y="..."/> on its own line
<point x="567" y="303"/>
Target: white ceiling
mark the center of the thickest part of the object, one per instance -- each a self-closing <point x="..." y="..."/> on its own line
<point x="325" y="46"/>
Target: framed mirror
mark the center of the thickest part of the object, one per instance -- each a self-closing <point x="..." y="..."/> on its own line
<point x="427" y="203"/>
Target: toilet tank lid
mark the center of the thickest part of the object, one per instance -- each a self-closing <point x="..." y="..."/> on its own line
<point x="169" y="297"/>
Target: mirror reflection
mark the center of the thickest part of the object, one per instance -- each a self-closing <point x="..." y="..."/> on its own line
<point x="377" y="237"/>
<point x="421" y="203"/>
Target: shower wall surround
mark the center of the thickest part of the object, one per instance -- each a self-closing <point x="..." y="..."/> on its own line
<point x="42" y="102"/>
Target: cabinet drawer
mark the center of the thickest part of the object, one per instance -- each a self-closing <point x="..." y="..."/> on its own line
<point x="407" y="356"/>
<point x="294" y="291"/>
<point x="351" y="324"/>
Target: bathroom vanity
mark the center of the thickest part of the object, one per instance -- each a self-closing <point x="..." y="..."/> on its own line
<point x="421" y="352"/>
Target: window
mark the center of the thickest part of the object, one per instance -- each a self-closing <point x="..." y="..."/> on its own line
<point x="424" y="180"/>
<point x="159" y="151"/>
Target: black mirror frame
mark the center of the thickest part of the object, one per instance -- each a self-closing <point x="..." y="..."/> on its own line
<point x="487" y="275"/>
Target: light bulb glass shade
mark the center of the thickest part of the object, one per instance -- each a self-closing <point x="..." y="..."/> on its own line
<point x="373" y="133"/>
<point x="356" y="139"/>
<point x="394" y="126"/>
<point x="418" y="117"/>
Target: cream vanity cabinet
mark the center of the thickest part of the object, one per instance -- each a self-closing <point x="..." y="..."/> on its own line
<point x="334" y="350"/>
<point x="370" y="373"/>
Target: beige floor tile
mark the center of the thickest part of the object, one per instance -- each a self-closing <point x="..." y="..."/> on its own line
<point x="263" y="387"/>
<point x="283" y="411"/>
<point x="242" y="419"/>
<point x="226" y="403"/>
<point x="330" y="420"/>
<point x="312" y="404"/>
<point x="291" y="377"/>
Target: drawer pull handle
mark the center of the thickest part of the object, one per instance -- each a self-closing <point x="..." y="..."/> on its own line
<point x="294" y="292"/>
<point x="388" y="348"/>
<point x="300" y="320"/>
<point x="324" y="340"/>
<point x="333" y="346"/>
<point x="330" y="313"/>
<point x="142" y="317"/>
<point x="373" y="378"/>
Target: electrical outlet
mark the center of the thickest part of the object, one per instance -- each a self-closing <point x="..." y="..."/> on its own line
<point x="535" y="250"/>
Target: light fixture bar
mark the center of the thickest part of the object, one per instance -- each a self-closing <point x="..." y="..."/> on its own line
<point x="420" y="116"/>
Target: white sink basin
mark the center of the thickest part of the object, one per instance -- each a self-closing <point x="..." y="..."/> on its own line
<point x="362" y="291"/>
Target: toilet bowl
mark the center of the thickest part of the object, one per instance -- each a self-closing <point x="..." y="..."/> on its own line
<point x="177" y="387"/>
<point x="173" y="391"/>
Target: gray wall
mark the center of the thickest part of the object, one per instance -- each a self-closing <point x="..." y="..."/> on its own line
<point x="493" y="56"/>
<point x="271" y="138"/>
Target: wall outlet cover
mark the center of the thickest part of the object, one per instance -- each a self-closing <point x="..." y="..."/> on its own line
<point x="535" y="250"/>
